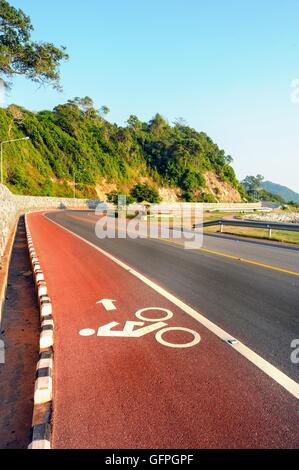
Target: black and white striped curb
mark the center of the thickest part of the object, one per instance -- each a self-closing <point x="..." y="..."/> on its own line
<point x="43" y="382"/>
<point x="43" y="390"/>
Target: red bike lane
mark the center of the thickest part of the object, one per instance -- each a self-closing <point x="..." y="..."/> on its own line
<point x="136" y="388"/>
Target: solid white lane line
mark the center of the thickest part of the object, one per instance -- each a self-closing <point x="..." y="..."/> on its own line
<point x="280" y="377"/>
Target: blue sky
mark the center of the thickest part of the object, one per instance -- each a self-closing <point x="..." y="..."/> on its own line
<point x="225" y="66"/>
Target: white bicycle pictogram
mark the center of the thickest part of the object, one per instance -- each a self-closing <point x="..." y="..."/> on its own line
<point x="136" y="329"/>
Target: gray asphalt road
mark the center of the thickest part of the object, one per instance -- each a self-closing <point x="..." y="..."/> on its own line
<point x="259" y="306"/>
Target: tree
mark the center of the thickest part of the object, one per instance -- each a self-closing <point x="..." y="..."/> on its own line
<point x="114" y="196"/>
<point x="158" y="124"/>
<point x="144" y="192"/>
<point x="134" y="123"/>
<point x="104" y="110"/>
<point x="19" y="55"/>
<point x="84" y="104"/>
<point x="180" y="122"/>
<point x="229" y="159"/>
<point x="252" y="184"/>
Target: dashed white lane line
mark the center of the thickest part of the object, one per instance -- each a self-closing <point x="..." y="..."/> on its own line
<point x="278" y="376"/>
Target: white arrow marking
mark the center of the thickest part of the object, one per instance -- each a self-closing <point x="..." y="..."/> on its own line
<point x="107" y="303"/>
<point x="128" y="330"/>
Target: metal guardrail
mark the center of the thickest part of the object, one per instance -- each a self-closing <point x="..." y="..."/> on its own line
<point x="249" y="223"/>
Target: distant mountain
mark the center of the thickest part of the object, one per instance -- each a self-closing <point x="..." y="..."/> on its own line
<point x="283" y="191"/>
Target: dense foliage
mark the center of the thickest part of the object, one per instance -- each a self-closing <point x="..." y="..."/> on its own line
<point x="144" y="193"/>
<point x="19" y="55"/>
<point x="141" y="192"/>
<point x="253" y="184"/>
<point x="76" y="142"/>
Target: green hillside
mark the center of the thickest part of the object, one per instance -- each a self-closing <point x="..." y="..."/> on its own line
<point x="74" y="139"/>
<point x="283" y="191"/>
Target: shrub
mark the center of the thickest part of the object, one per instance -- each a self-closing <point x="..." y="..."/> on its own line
<point x="209" y="198"/>
<point x="188" y="196"/>
<point x="144" y="192"/>
<point x="191" y="181"/>
<point x="17" y="177"/>
<point x="114" y="195"/>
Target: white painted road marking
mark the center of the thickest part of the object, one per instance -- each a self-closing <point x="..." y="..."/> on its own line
<point x="107" y="304"/>
<point x="129" y="330"/>
<point x="139" y="314"/>
<point x="87" y="332"/>
<point x="282" y="379"/>
<point x="192" y="343"/>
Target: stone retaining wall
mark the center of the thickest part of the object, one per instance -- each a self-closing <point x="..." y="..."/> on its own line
<point x="11" y="206"/>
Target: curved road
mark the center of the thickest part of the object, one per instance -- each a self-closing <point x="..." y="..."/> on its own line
<point x="257" y="305"/>
<point x="122" y="379"/>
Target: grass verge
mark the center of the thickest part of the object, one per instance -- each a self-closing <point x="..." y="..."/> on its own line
<point x="277" y="235"/>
